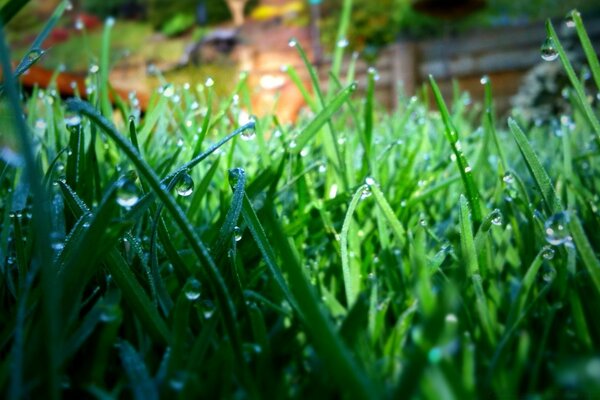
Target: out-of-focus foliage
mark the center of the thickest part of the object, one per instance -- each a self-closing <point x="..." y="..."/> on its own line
<point x="376" y="23"/>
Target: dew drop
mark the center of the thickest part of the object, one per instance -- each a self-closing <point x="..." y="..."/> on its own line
<point x="79" y="24"/>
<point x="235" y="174"/>
<point x="168" y="90"/>
<point x="366" y="192"/>
<point x="185" y="185"/>
<point x="192" y="289"/>
<point x="110" y="313"/>
<point x="73" y="123"/>
<point x="34" y="55"/>
<point x="556" y="229"/>
<point x="570" y="20"/>
<point x="292" y="42"/>
<point x="370" y="181"/>
<point x="127" y="194"/>
<point x="94" y="68"/>
<point x="250" y="132"/>
<point x="209" y="82"/>
<point x="496" y="217"/>
<point x="342" y="43"/>
<point x="208" y="309"/>
<point x="237" y="233"/>
<point x="110" y="21"/>
<point x="484" y="80"/>
<point x="548" y="50"/>
<point x="57" y="239"/>
<point x="547" y="252"/>
<point x="549" y="275"/>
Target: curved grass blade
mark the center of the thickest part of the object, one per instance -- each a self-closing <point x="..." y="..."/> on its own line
<point x="10" y="9"/>
<point x="266" y="250"/>
<point x="468" y="249"/>
<point x="586" y="250"/>
<point x="588" y="49"/>
<point x="209" y="269"/>
<point x="575" y="82"/>
<point x="463" y="165"/>
<point x="541" y="178"/>
<point x="323" y="116"/>
<point x="342" y="366"/>
<point x="389" y="215"/>
<point x="351" y="277"/>
<point x="41" y="226"/>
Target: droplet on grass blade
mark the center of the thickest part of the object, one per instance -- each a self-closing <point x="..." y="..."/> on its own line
<point x="235" y="174"/>
<point x="547" y="252"/>
<point x="185" y="185"/>
<point x="569" y="18"/>
<point x="556" y="229"/>
<point x="127" y="194"/>
<point x="192" y="289"/>
<point x="237" y="233"/>
<point x="548" y="50"/>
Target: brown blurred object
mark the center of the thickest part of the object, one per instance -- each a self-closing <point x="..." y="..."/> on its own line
<point x="448" y="9"/>
<point x="66" y="82"/>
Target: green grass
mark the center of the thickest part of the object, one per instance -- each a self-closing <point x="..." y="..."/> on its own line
<point x="360" y="253"/>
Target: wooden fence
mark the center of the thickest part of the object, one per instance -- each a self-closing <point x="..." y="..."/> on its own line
<point x="505" y="54"/>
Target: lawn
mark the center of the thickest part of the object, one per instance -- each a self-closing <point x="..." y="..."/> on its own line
<point x="359" y="253"/>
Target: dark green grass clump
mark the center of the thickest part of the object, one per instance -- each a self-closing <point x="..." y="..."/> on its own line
<point x="199" y="252"/>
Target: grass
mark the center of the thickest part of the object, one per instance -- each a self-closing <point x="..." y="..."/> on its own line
<point x="359" y="253"/>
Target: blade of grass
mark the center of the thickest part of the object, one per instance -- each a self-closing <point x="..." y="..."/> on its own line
<point x="463" y="165"/>
<point x="209" y="269"/>
<point x="575" y="82"/>
<point x="41" y="226"/>
<point x="350" y="275"/>
<point x="540" y="176"/>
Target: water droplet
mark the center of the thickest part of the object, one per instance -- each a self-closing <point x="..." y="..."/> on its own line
<point x="292" y="42"/>
<point x="127" y="194"/>
<point x="484" y="80"/>
<point x="208" y="309"/>
<point x="209" y="82"/>
<point x="68" y="6"/>
<point x="185" y="185"/>
<point x="167" y="90"/>
<point x="373" y="72"/>
<point x="322" y="168"/>
<point x="353" y="86"/>
<point x="366" y="192"/>
<point x="73" y="123"/>
<point x="237" y="233"/>
<point x="110" y="313"/>
<point x="34" y="55"/>
<point x="79" y="24"/>
<point x="250" y="132"/>
<point x="110" y="21"/>
<point x="467" y="169"/>
<point x="569" y="18"/>
<point x="549" y="275"/>
<point x="342" y="43"/>
<point x="57" y="239"/>
<point x="423" y="222"/>
<point x="496" y="217"/>
<point x="556" y="229"/>
<point x="548" y="50"/>
<point x="235" y="174"/>
<point x="547" y="252"/>
<point x="192" y="289"/>
<point x="94" y="68"/>
<point x="370" y="181"/>
<point x="292" y="144"/>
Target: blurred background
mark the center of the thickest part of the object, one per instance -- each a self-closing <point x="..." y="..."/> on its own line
<point x="190" y="41"/>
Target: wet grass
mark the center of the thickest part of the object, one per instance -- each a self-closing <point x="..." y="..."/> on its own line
<point x="359" y="253"/>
